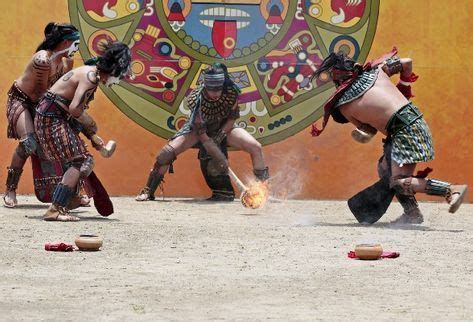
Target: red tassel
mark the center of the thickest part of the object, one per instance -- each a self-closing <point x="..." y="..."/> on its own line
<point x="422" y="174"/>
<point x="314" y="130"/>
<point x="411" y="78"/>
<point x="405" y="90"/>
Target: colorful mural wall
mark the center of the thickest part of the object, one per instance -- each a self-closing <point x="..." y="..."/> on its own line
<point x="271" y="47"/>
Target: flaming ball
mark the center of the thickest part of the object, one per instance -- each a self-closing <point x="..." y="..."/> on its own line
<point x="255" y="196"/>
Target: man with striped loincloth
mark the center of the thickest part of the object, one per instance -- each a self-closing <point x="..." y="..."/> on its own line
<point x="367" y="98"/>
<point x="61" y="115"/>
<point x="52" y="59"/>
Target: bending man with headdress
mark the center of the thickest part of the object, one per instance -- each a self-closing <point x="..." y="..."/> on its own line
<point x="52" y="59"/>
<point x="214" y="110"/>
<point x="367" y="98"/>
<point x="61" y="115"/>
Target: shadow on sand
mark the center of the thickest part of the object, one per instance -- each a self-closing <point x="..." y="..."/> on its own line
<point x="32" y="206"/>
<point x="384" y="226"/>
<point x="82" y="218"/>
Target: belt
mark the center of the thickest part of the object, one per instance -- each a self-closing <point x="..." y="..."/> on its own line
<point x="404" y="117"/>
<point x="57" y="98"/>
<point x="49" y="106"/>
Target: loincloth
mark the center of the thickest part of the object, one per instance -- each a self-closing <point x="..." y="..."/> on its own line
<point x="17" y="103"/>
<point x="410" y="136"/>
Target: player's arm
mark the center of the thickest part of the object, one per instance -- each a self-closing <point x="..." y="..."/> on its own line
<point x="229" y="124"/>
<point x="396" y="65"/>
<point x="403" y="66"/>
<point x="84" y="92"/>
<point x="67" y="64"/>
<point x="363" y="132"/>
<point x="41" y="69"/>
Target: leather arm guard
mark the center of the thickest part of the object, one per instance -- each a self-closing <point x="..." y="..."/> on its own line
<point x="404" y="85"/>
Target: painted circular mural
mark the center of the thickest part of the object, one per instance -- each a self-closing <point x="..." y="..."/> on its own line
<point x="272" y="47"/>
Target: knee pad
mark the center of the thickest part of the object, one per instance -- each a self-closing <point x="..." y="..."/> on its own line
<point x="402" y="186"/>
<point x="27" y="146"/>
<point x="76" y="164"/>
<point x="166" y="156"/>
<point x="86" y="167"/>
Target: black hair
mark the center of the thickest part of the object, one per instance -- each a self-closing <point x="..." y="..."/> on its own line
<point x="54" y="33"/>
<point x="114" y="60"/>
<point x="336" y="60"/>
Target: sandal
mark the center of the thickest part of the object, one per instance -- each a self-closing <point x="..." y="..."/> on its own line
<point x="9" y="204"/>
<point x="409" y="219"/>
<point x="144" y="195"/>
<point x="58" y="214"/>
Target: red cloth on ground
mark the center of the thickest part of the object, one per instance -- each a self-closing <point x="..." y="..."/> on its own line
<point x="386" y="254"/>
<point x="58" y="247"/>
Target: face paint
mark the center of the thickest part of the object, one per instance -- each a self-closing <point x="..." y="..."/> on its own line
<point x="112" y="80"/>
<point x="73" y="48"/>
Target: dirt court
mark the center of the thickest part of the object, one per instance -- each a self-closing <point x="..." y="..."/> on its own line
<point x="182" y="259"/>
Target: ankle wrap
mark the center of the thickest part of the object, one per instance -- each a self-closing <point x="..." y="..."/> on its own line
<point x="408" y="203"/>
<point x="262" y="175"/>
<point x="62" y="195"/>
<point x="154" y="180"/>
<point x="437" y="188"/>
<point x="13" y="177"/>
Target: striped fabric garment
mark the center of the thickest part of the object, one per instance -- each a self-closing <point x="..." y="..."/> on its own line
<point x="57" y="138"/>
<point x="413" y="144"/>
<point x="17" y="103"/>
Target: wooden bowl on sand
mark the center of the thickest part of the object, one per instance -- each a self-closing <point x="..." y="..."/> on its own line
<point x="89" y="242"/>
<point x="368" y="251"/>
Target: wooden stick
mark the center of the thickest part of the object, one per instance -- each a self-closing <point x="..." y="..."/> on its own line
<point x="244" y="188"/>
<point x="237" y="181"/>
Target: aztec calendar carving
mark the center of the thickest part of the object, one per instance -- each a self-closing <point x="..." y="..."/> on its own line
<point x="271" y="47"/>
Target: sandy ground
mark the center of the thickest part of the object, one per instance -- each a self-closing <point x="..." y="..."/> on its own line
<point x="193" y="260"/>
